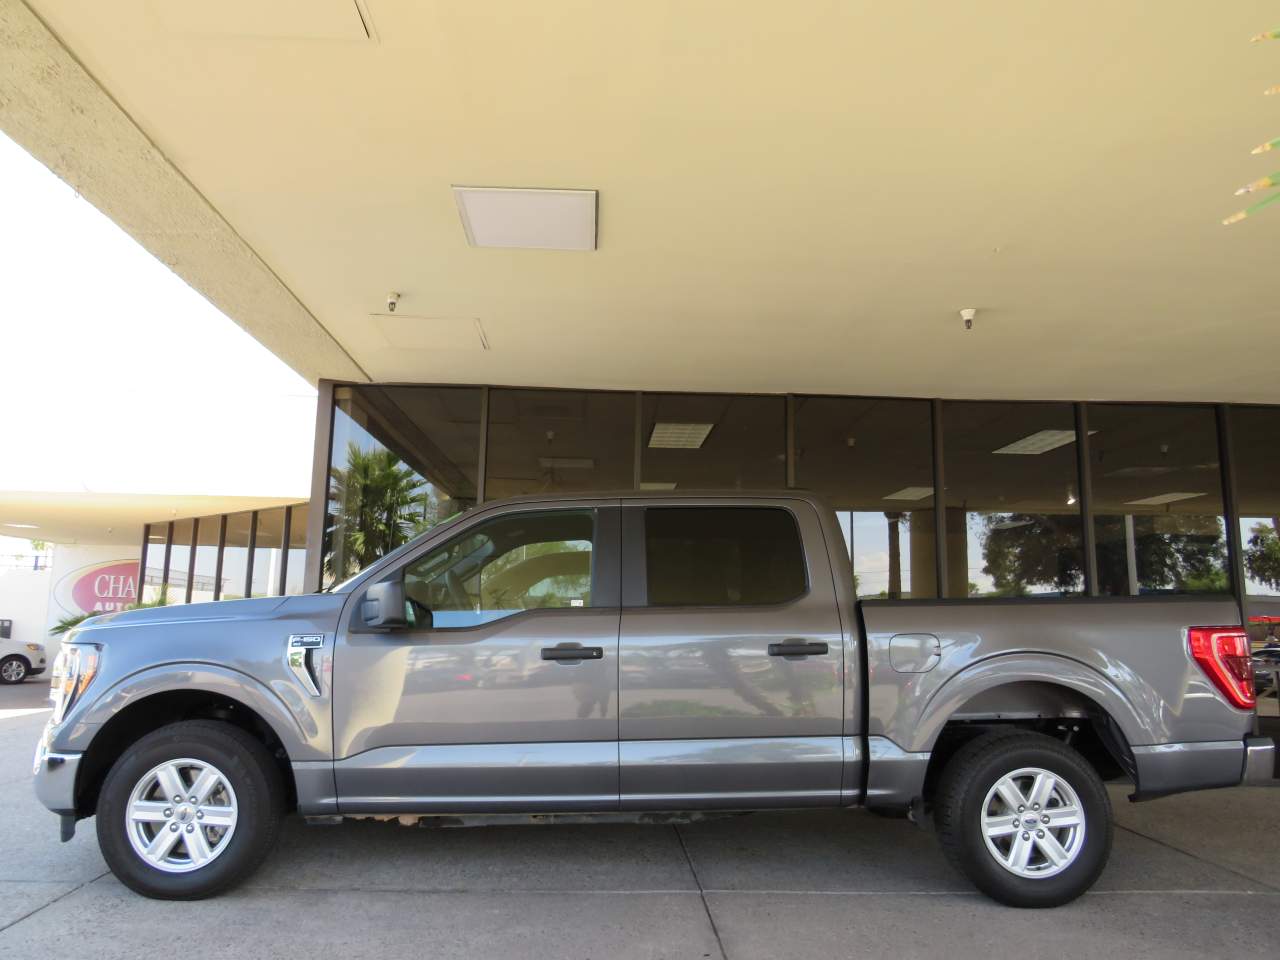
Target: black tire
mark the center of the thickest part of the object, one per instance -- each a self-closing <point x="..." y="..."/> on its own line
<point x="259" y="792"/>
<point x="10" y="665"/>
<point x="958" y="811"/>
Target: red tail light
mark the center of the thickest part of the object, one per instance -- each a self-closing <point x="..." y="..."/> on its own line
<point x="1223" y="654"/>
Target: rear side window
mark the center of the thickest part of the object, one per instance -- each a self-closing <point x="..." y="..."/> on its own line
<point x="722" y="556"/>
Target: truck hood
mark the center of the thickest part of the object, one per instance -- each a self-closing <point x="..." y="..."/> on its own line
<point x="257" y="608"/>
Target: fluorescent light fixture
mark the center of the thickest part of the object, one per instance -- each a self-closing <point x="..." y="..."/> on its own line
<point x="566" y="463"/>
<point x="1042" y="441"/>
<point x="1162" y="498"/>
<point x="657" y="485"/>
<point x="679" y="436"/>
<point x="530" y="219"/>
<point x="22" y="526"/>
<point x="910" y="493"/>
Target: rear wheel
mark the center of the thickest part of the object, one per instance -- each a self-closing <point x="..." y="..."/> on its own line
<point x="1024" y="817"/>
<point x="13" y="669"/>
<point x="189" y="810"/>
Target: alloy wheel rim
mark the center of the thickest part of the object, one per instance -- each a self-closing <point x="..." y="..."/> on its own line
<point x="1033" y="823"/>
<point x="13" y="671"/>
<point x="181" y="815"/>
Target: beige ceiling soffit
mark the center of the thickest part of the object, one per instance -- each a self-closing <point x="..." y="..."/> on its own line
<point x="52" y="107"/>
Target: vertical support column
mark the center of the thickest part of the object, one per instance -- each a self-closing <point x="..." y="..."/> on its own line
<point x="1230" y="507"/>
<point x="168" y="552"/>
<point x="1131" y="554"/>
<point x="217" y="563"/>
<point x="638" y="451"/>
<point x="939" y="500"/>
<point x="142" y="563"/>
<point x="191" y="558"/>
<point x="284" y="550"/>
<point x="791" y="440"/>
<point x="1084" y="483"/>
<point x="482" y="462"/>
<point x="248" y="563"/>
<point x="319" y="510"/>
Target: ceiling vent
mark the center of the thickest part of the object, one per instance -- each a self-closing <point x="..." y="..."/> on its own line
<point x="529" y="219"/>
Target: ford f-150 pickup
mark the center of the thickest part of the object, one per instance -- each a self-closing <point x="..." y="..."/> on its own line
<point x="620" y="655"/>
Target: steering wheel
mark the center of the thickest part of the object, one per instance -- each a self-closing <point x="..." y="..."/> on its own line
<point x="456" y="593"/>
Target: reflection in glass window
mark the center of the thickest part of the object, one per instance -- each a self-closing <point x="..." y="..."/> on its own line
<point x="713" y="442"/>
<point x="176" y="587"/>
<point x="235" y="558"/>
<point x="206" y="558"/>
<point x="1157" y="499"/>
<point x="525" y="562"/>
<point x="873" y="461"/>
<point x="153" y="575"/>
<point x="267" y="555"/>
<point x="295" y="572"/>
<point x="553" y="441"/>
<point x="722" y="556"/>
<point x="403" y="459"/>
<point x="1013" y="515"/>
<point x="1256" y="440"/>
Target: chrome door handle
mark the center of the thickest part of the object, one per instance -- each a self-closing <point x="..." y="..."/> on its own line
<point x="567" y="653"/>
<point x="797" y="648"/>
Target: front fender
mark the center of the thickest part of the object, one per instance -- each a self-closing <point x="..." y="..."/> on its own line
<point x="294" y="721"/>
<point x="1138" y="727"/>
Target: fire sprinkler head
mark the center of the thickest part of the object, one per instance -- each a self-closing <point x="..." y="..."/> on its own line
<point x="967" y="314"/>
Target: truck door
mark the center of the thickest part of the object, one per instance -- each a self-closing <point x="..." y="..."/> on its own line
<point x="731" y="681"/>
<point x="502" y="695"/>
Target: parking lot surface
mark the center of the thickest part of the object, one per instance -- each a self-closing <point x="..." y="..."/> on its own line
<point x="1192" y="876"/>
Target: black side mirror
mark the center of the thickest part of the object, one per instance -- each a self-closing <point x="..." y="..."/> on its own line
<point x="383" y="605"/>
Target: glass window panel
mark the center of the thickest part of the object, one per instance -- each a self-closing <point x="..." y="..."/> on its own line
<point x="403" y="459"/>
<point x="713" y="442"/>
<point x="153" y="576"/>
<point x="1157" y="499"/>
<point x="1255" y="434"/>
<point x="1013" y="515"/>
<point x="873" y="461"/>
<point x="514" y="563"/>
<point x="545" y="441"/>
<point x="267" y="554"/>
<point x="206" y="559"/>
<point x="179" y="558"/>
<point x="235" y="558"/>
<point x="295" y="573"/>
<point x="722" y="556"/>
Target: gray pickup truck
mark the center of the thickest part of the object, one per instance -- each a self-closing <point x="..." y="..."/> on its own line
<point x="641" y="657"/>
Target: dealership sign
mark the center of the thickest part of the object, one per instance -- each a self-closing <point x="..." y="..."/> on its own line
<point x="98" y="588"/>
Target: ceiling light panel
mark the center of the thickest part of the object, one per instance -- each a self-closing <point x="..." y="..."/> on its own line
<point x="657" y="485"/>
<point x="529" y="219"/>
<point x="910" y="493"/>
<point x="679" y="436"/>
<point x="1161" y="499"/>
<point x="1042" y="441"/>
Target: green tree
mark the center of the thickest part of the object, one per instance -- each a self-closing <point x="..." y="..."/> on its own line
<point x="376" y="504"/>
<point x="1262" y="553"/>
<point x="1021" y="550"/>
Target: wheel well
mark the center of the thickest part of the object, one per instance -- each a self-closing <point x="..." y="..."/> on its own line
<point x="159" y="710"/>
<point x="17" y="656"/>
<point x="1047" y="708"/>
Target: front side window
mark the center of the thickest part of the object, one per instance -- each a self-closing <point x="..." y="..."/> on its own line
<point x="722" y="556"/>
<point x="510" y="564"/>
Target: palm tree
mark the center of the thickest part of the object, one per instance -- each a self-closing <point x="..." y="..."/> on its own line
<point x="376" y="504"/>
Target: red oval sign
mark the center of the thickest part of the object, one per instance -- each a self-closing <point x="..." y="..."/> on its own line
<point x="107" y="588"/>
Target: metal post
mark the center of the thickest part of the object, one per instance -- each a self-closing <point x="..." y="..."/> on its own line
<point x="168" y="551"/>
<point x="253" y="544"/>
<point x="1230" y="507"/>
<point x="319" y="509"/>
<point x="217" y="564"/>
<point x="142" y="564"/>
<point x="939" y="500"/>
<point x="1131" y="554"/>
<point x="284" y="550"/>
<point x="482" y="464"/>
<point x="1084" y="483"/>
<point x="791" y="440"/>
<point x="191" y="558"/>
<point x="638" y="445"/>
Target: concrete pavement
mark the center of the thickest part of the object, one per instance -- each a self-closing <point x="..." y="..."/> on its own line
<point x="1195" y="876"/>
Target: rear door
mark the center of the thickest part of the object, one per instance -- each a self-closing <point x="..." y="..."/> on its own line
<point x="730" y="686"/>
<point x="503" y="693"/>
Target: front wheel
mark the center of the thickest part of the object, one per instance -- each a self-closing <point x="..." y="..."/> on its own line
<point x="13" y="669"/>
<point x="1025" y="817"/>
<point x="189" y="810"/>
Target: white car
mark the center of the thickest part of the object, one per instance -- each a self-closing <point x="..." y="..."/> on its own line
<point x="20" y="660"/>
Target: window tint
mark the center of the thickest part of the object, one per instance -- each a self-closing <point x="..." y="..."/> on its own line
<point x="722" y="556"/>
<point x="514" y="563"/>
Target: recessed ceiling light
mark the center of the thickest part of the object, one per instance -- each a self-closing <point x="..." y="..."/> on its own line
<point x="910" y="493"/>
<point x="22" y="526"/>
<point x="1162" y="498"/>
<point x="567" y="463"/>
<point x="679" y="436"/>
<point x="1042" y="441"/>
<point x="657" y="485"/>
<point x="529" y="219"/>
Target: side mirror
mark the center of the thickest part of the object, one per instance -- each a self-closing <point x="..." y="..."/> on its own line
<point x="383" y="605"/>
